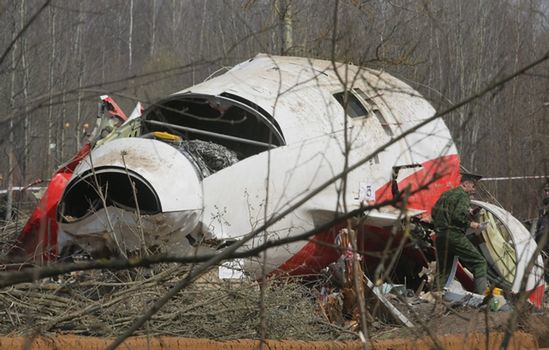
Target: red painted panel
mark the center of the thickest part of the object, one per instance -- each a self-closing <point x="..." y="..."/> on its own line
<point x="536" y="295"/>
<point x="441" y="174"/>
<point x="113" y="108"/>
<point x="37" y="241"/>
<point x="318" y="253"/>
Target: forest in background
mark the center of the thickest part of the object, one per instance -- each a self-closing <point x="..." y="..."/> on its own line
<point x="58" y="57"/>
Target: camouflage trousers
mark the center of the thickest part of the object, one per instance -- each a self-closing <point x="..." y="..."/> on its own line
<point x="450" y="244"/>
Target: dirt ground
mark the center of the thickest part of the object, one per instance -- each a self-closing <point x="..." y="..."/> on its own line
<point x="451" y="342"/>
<point x="442" y="319"/>
<point x="538" y="326"/>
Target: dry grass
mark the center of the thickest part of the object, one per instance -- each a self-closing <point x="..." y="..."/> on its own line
<point x="9" y="231"/>
<point x="105" y="303"/>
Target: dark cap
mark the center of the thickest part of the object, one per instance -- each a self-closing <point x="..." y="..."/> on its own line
<point x="470" y="177"/>
<point x="546" y="187"/>
<point x="545" y="200"/>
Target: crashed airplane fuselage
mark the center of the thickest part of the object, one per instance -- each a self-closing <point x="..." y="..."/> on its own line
<point x="219" y="159"/>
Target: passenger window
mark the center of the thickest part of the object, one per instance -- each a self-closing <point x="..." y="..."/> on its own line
<point x="355" y="109"/>
<point x="383" y="123"/>
<point x="373" y="106"/>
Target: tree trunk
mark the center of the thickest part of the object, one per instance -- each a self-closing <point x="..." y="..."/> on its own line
<point x="80" y="64"/>
<point x="153" y="34"/>
<point x="201" y="37"/>
<point x="26" y="121"/>
<point x="50" y="147"/>
<point x="284" y="10"/>
<point x="61" y="148"/>
<point x="130" y="37"/>
<point x="11" y="137"/>
<point x="288" y="29"/>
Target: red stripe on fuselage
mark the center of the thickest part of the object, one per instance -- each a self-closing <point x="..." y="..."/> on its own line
<point x="437" y="176"/>
<point x="440" y="174"/>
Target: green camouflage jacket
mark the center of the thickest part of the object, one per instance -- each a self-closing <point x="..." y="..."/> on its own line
<point x="451" y="211"/>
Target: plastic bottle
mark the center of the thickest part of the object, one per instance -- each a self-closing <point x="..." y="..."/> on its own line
<point x="494" y="304"/>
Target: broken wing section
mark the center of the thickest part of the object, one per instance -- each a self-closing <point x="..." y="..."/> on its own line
<point x="131" y="194"/>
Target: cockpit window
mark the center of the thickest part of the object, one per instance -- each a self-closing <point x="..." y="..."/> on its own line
<point x="355" y="109"/>
<point x="360" y="105"/>
<point x="225" y="120"/>
<point x="374" y="108"/>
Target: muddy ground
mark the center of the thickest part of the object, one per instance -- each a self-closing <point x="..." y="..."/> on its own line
<point x="474" y="341"/>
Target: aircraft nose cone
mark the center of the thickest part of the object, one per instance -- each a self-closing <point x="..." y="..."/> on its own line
<point x="128" y="194"/>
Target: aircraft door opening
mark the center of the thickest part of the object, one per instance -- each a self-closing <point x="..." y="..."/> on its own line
<point x="508" y="247"/>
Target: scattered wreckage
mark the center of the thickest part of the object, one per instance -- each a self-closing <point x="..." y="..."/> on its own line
<point x="218" y="159"/>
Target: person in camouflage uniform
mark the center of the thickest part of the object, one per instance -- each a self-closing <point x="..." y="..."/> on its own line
<point x="451" y="218"/>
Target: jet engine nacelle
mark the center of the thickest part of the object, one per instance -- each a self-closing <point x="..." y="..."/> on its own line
<point x="145" y="192"/>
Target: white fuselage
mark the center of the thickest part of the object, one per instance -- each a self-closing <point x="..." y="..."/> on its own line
<point x="285" y="118"/>
<point x="298" y="93"/>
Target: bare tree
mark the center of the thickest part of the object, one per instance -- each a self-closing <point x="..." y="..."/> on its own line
<point x="449" y="50"/>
